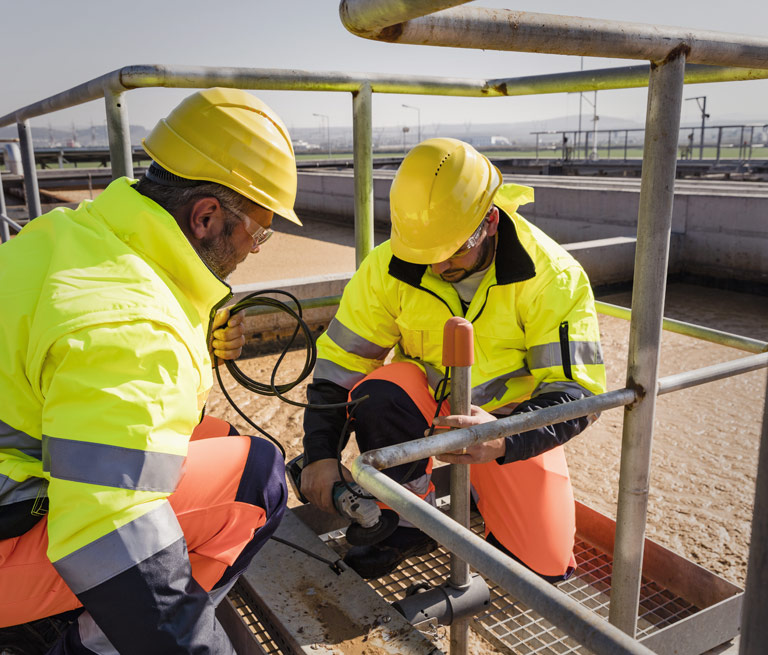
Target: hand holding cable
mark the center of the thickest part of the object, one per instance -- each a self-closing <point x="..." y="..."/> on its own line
<point x="228" y="335"/>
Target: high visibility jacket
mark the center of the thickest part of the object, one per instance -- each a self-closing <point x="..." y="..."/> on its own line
<point x="535" y="327"/>
<point x="104" y="371"/>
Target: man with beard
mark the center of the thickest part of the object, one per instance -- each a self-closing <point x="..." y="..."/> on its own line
<point x="118" y="504"/>
<point x="458" y="247"/>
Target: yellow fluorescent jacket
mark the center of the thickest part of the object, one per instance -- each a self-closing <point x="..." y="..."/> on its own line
<point x="535" y="325"/>
<point x="104" y="370"/>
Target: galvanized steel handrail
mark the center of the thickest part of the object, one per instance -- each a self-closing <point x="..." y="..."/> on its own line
<point x="520" y="31"/>
<point x="691" y="330"/>
<point x="579" y="622"/>
<point x="191" y="77"/>
<point x="588" y="628"/>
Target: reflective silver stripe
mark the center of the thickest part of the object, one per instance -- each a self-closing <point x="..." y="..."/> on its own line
<point x="119" y="550"/>
<point x="13" y="438"/>
<point x="548" y="354"/>
<point x="92" y="637"/>
<point x="325" y="369"/>
<point x="111" y="466"/>
<point x="566" y="386"/>
<point x="419" y="485"/>
<point x="12" y="491"/>
<point x="496" y="388"/>
<point x="434" y="375"/>
<point x="353" y="343"/>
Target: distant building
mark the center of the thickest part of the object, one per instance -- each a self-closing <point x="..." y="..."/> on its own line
<point x="485" y="141"/>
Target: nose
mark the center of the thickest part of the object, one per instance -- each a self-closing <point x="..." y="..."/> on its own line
<point x="441" y="267"/>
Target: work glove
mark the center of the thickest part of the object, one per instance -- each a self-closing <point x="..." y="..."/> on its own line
<point x="228" y="335"/>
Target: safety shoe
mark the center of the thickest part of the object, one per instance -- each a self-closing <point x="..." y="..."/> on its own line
<point x="384" y="557"/>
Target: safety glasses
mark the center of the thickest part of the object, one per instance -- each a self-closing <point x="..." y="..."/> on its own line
<point x="470" y="243"/>
<point x="260" y="234"/>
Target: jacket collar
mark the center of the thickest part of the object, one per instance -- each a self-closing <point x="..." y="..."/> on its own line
<point x="153" y="232"/>
<point x="513" y="263"/>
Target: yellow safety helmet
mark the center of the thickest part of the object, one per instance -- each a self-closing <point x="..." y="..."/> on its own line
<point x="230" y="137"/>
<point x="440" y="194"/>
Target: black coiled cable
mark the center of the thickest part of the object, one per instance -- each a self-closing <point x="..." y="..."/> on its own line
<point x="260" y="299"/>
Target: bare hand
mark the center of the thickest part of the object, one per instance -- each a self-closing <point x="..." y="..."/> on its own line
<point x="228" y="341"/>
<point x="477" y="453"/>
<point x="317" y="483"/>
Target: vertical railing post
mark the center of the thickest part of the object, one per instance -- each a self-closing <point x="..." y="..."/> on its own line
<point x="537" y="147"/>
<point x="31" y="189"/>
<point x="741" y="145"/>
<point x="657" y="190"/>
<point x="626" y="140"/>
<point x="719" y="141"/>
<point x="119" y="131"/>
<point x="754" y="627"/>
<point x="362" y="117"/>
<point x="459" y="355"/>
<point x="609" y="143"/>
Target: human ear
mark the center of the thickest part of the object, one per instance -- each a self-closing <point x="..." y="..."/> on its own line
<point x="205" y="214"/>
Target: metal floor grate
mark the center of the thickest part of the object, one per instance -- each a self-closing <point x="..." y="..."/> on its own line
<point x="261" y="628"/>
<point x="513" y="627"/>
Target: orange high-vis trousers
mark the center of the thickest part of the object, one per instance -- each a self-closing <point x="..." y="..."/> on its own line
<point x="527" y="506"/>
<point x="218" y="529"/>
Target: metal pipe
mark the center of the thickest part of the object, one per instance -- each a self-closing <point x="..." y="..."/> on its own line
<point x="31" y="189"/>
<point x="461" y="393"/>
<point x="579" y="622"/>
<point x="691" y="330"/>
<point x="118" y="128"/>
<point x="651" y="262"/>
<point x="754" y="627"/>
<point x="410" y="451"/>
<point x="362" y="103"/>
<point x="719" y="140"/>
<point x="375" y="14"/>
<point x="711" y="373"/>
<point x="132" y="77"/>
<point x="505" y="29"/>
<point x="626" y="139"/>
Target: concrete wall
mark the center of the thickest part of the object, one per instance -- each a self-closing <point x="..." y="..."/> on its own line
<point x="720" y="229"/>
<point x="606" y="261"/>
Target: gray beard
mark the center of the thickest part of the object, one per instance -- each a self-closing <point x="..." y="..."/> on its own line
<point x="219" y="256"/>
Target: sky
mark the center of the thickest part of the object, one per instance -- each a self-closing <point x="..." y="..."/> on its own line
<point x="51" y="45"/>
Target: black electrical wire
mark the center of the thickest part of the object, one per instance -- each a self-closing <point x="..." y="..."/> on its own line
<point x="260" y="299"/>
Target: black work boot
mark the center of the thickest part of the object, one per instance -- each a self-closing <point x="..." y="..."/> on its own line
<point x="384" y="557"/>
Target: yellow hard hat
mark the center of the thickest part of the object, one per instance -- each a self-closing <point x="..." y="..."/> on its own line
<point x="440" y="194"/>
<point x="230" y="137"/>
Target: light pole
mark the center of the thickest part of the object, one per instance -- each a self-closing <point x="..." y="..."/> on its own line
<point x="595" y="118"/>
<point x="327" y="131"/>
<point x="418" y="120"/>
<point x="704" y="116"/>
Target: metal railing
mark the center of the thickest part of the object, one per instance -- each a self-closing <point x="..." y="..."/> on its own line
<point x="668" y="50"/>
<point x="568" y="142"/>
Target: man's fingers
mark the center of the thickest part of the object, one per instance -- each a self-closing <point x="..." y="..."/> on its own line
<point x="220" y="318"/>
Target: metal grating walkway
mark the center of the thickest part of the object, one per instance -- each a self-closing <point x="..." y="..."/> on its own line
<point x="514" y="628"/>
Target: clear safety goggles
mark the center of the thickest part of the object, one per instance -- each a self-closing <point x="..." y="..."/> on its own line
<point x="260" y="234"/>
<point x="474" y="238"/>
